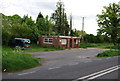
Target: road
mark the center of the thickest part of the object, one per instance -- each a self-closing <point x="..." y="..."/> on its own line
<point x="71" y="65"/>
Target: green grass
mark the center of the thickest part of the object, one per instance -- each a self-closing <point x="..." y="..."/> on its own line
<point x="96" y="45"/>
<point x="109" y="53"/>
<point x="13" y="60"/>
<point x="114" y="47"/>
<point x="0" y="57"/>
<point x="37" y="48"/>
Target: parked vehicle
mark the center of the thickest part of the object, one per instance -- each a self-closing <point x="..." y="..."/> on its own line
<point x="21" y="43"/>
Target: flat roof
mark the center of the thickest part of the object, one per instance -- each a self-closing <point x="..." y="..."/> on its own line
<point x="61" y="36"/>
<point x="22" y="38"/>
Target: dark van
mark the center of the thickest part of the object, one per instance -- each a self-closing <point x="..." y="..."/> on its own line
<point x="21" y="43"/>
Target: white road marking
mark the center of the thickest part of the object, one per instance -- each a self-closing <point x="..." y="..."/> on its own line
<point x="108" y="58"/>
<point x="33" y="72"/>
<point x="73" y="63"/>
<point x="23" y="73"/>
<point x="104" y="73"/>
<point x="53" y="68"/>
<point x="100" y="73"/>
<point x="81" y="56"/>
<point x="87" y="61"/>
<point x="27" y="73"/>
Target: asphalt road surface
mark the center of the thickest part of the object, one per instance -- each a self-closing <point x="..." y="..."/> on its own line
<point x="72" y="65"/>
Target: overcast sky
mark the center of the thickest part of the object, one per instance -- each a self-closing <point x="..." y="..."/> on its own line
<point x="78" y="8"/>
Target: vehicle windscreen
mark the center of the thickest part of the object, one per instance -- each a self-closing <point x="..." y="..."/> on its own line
<point x="26" y="41"/>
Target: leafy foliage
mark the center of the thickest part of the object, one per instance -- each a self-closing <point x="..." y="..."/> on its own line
<point x="44" y="26"/>
<point x="18" y="27"/>
<point x="109" y="22"/>
<point x="90" y="38"/>
<point x="13" y="26"/>
<point x="59" y="17"/>
<point x="39" y="16"/>
<point x="79" y="33"/>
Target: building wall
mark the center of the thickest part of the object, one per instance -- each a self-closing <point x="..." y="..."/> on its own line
<point x="57" y="42"/>
<point x="60" y="42"/>
<point x="41" y="41"/>
<point x="76" y="45"/>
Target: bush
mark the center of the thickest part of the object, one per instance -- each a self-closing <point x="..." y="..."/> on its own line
<point x="13" y="61"/>
<point x="109" y="53"/>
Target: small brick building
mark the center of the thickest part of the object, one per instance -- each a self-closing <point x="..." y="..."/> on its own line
<point x="60" y="41"/>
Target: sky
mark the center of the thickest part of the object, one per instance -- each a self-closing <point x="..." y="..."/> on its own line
<point x="78" y="8"/>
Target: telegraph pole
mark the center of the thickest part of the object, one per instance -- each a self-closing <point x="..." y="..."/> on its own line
<point x="83" y="29"/>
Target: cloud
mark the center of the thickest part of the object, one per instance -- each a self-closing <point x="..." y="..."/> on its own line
<point x="78" y="8"/>
<point x="45" y="5"/>
<point x="30" y="7"/>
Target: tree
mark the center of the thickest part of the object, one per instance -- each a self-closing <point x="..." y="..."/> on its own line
<point x="71" y="31"/>
<point x="79" y="33"/>
<point x="39" y="16"/>
<point x="14" y="26"/>
<point x="34" y="33"/>
<point x="28" y="20"/>
<point x="109" y="22"/>
<point x="89" y="38"/>
<point x="44" y="25"/>
<point x="59" y="18"/>
<point x="15" y="19"/>
<point x="6" y="29"/>
<point x="66" y="26"/>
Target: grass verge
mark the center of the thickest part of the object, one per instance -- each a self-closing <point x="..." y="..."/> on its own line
<point x="109" y="53"/>
<point x="13" y="60"/>
<point x="37" y="48"/>
<point x="96" y="45"/>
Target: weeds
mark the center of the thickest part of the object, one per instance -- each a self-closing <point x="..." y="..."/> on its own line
<point x="14" y="60"/>
<point x="109" y="53"/>
<point x="96" y="45"/>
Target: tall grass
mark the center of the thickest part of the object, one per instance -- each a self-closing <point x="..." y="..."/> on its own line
<point x="14" y="60"/>
<point x="96" y="45"/>
<point x="109" y="53"/>
<point x="0" y="57"/>
<point x="37" y="48"/>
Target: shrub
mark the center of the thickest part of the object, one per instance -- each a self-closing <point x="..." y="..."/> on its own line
<point x="109" y="53"/>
